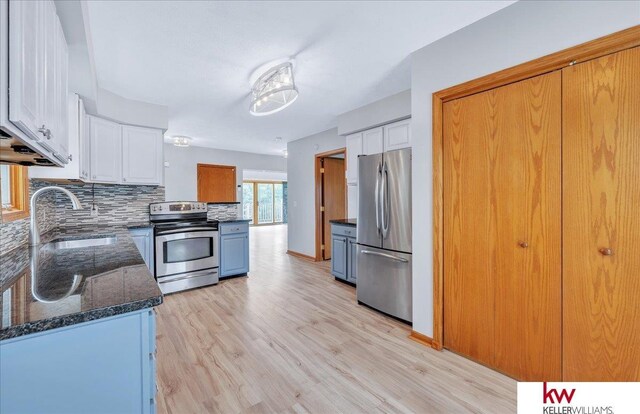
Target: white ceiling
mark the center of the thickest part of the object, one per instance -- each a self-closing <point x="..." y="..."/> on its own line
<point x="196" y="58"/>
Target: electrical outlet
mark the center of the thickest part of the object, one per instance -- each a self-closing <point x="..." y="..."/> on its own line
<point x="94" y="211"/>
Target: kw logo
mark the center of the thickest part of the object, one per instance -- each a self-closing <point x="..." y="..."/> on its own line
<point x="549" y="395"/>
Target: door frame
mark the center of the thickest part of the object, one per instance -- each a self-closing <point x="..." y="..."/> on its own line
<point x="230" y="167"/>
<point x="625" y="39"/>
<point x="255" y="183"/>
<point x="318" y="191"/>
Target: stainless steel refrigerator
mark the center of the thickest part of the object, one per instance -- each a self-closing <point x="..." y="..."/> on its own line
<point x="384" y="232"/>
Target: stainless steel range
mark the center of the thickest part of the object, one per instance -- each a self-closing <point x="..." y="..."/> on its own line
<point x="186" y="245"/>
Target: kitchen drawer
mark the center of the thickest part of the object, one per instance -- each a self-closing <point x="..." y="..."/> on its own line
<point x="341" y="230"/>
<point x="233" y="228"/>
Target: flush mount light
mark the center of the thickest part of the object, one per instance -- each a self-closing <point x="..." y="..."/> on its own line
<point x="181" y="141"/>
<point x="273" y="90"/>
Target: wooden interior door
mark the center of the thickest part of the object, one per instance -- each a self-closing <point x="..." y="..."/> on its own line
<point x="601" y="210"/>
<point x="216" y="183"/>
<point x="502" y="223"/>
<point x="333" y="198"/>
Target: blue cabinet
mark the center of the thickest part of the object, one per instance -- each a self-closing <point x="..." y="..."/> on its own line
<point x="143" y="239"/>
<point x="102" y="366"/>
<point x="339" y="256"/>
<point x="234" y="249"/>
<point x="343" y="252"/>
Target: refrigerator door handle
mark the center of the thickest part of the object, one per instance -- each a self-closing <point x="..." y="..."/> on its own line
<point x="377" y="197"/>
<point x="385" y="255"/>
<point x="385" y="201"/>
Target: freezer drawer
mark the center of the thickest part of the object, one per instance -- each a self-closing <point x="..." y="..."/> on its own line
<point x="384" y="281"/>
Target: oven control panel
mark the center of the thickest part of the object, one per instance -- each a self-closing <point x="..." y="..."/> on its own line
<point x="177" y="207"/>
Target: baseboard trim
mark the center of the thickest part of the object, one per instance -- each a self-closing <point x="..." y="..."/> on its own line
<point x="424" y="340"/>
<point x="301" y="256"/>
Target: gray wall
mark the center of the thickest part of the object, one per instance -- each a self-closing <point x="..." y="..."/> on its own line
<point x="180" y="177"/>
<point x="384" y="111"/>
<point x="301" y="187"/>
<point x="516" y="34"/>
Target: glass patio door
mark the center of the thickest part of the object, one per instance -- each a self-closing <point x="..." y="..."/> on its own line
<point x="263" y="202"/>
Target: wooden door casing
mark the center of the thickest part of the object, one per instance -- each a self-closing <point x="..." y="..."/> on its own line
<point x="601" y="201"/>
<point x="216" y="183"/>
<point x="502" y="258"/>
<point x="333" y="198"/>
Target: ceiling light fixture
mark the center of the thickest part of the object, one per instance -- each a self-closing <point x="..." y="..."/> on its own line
<point x="181" y="141"/>
<point x="274" y="90"/>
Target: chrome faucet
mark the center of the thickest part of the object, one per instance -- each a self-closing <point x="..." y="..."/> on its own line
<point x="34" y="233"/>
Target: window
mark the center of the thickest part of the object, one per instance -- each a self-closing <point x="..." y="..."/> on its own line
<point x="14" y="192"/>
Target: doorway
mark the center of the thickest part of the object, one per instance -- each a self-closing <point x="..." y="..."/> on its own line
<point x="216" y="183"/>
<point x="331" y="197"/>
<point x="263" y="202"/>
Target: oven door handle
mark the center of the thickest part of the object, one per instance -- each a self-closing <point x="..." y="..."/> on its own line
<point x="186" y="230"/>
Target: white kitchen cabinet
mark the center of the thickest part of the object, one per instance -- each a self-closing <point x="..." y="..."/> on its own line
<point x="84" y="138"/>
<point x="105" y="140"/>
<point x="26" y="66"/>
<point x="354" y="148"/>
<point x="372" y="141"/>
<point x="38" y="66"/>
<point x="397" y="135"/>
<point x="71" y="171"/>
<point x="142" y="155"/>
<point x="352" y="201"/>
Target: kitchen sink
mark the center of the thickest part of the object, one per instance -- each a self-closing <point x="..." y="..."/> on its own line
<point x="83" y="243"/>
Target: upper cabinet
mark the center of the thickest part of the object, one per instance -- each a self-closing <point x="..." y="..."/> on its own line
<point x="372" y="141"/>
<point x="354" y="148"/>
<point x="388" y="137"/>
<point x="38" y="66"/>
<point x="142" y="155"/>
<point x="105" y="142"/>
<point x="397" y="135"/>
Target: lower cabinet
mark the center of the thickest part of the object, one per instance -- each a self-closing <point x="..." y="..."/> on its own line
<point x="103" y="366"/>
<point x="143" y="239"/>
<point x="343" y="252"/>
<point x="234" y="249"/>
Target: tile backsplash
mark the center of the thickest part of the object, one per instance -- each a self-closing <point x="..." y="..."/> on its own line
<point x="223" y="211"/>
<point x="117" y="204"/>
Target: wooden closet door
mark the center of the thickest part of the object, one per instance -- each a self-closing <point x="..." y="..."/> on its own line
<point x="601" y="210"/>
<point x="502" y="227"/>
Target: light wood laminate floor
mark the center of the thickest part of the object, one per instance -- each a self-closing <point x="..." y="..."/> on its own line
<point x="289" y="338"/>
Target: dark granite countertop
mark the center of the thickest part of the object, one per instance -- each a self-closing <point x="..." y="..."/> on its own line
<point x="140" y="225"/>
<point x="215" y="203"/>
<point x="346" y="222"/>
<point x="233" y="221"/>
<point x="50" y="288"/>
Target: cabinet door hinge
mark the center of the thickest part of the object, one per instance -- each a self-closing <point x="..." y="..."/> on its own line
<point x="322" y="247"/>
<point x="321" y="170"/>
<point x="322" y="208"/>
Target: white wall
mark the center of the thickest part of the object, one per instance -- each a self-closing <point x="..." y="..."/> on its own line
<point x="180" y="177"/>
<point x="262" y="175"/>
<point x="301" y="179"/>
<point x="387" y="110"/>
<point x="516" y="34"/>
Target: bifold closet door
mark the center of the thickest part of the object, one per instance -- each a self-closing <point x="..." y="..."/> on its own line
<point x="601" y="219"/>
<point x="502" y="223"/>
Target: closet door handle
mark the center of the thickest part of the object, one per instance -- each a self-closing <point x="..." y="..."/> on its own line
<point x="523" y="244"/>
<point x="606" y="251"/>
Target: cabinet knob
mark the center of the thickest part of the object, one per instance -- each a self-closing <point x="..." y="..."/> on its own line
<point x="605" y="251"/>
<point x="70" y="157"/>
<point x="124" y="180"/>
<point x="94" y="177"/>
<point x="45" y="131"/>
<point x="523" y="244"/>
